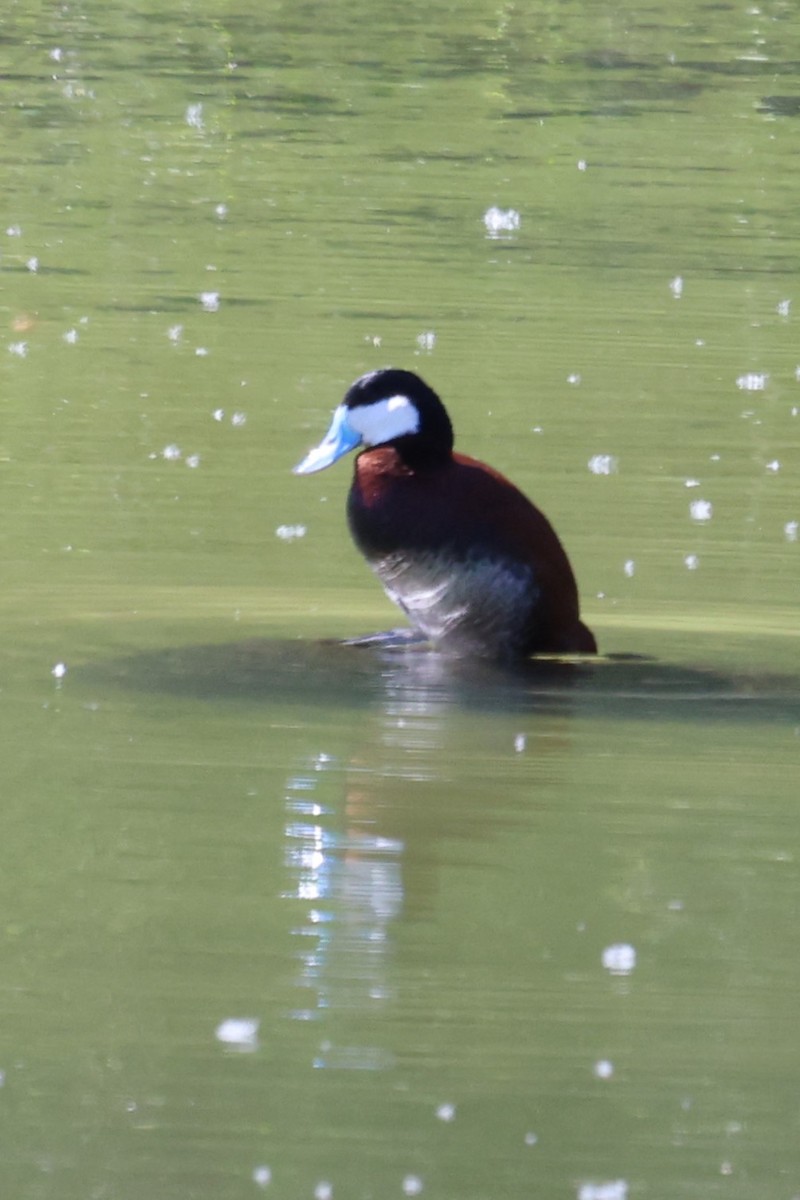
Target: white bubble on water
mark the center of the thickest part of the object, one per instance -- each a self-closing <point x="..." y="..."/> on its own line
<point x="701" y="510"/>
<point x="412" y="1185"/>
<point x="171" y="453"/>
<point x="500" y="222"/>
<point x="210" y="301"/>
<point x="446" y="1112"/>
<point x="790" y="531"/>
<point x="603" y="464"/>
<point x="691" y="562"/>
<point x="753" y="381"/>
<point x="603" y="1069"/>
<point x="676" y="287"/>
<point x="59" y="670"/>
<point x="241" y="1032"/>
<point x="616" y="1189"/>
<point x="619" y="958"/>
<point x="194" y="116"/>
<point x="262" y="1176"/>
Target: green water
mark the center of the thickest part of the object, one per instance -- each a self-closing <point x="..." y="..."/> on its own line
<point x="404" y="877"/>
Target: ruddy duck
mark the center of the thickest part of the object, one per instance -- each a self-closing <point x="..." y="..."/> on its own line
<point x="476" y="568"/>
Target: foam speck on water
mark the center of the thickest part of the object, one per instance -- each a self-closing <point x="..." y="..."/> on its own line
<point x="603" y="464"/>
<point x="241" y="1032"/>
<point x="701" y="510"/>
<point x="615" y="1189"/>
<point x="753" y="381"/>
<point x="619" y="958"/>
<point x="500" y="222"/>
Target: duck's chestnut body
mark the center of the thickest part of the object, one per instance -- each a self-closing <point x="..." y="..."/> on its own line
<point x="474" y="565"/>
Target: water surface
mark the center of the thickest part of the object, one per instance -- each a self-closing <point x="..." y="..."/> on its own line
<point x="291" y="919"/>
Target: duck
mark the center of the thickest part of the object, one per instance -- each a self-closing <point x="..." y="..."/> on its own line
<point x="476" y="567"/>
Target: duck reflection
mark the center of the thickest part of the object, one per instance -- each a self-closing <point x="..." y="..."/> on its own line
<point x="366" y="836"/>
<point x="352" y="883"/>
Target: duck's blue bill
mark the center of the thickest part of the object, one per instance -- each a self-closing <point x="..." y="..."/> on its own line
<point x="339" y="439"/>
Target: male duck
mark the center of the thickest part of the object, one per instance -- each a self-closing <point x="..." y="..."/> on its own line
<point x="476" y="568"/>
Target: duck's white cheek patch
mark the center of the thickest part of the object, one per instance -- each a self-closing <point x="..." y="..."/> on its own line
<point x="385" y="420"/>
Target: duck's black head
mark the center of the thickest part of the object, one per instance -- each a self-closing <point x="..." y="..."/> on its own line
<point x="386" y="407"/>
